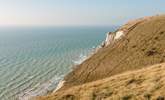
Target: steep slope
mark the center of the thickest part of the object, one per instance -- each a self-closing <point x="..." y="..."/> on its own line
<point x="135" y="45"/>
<point x="144" y="84"/>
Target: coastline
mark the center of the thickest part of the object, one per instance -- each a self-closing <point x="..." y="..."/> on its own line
<point x="43" y="88"/>
<point x="93" y="51"/>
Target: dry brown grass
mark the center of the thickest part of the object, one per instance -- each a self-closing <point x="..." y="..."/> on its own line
<point x="143" y="45"/>
<point x="144" y="84"/>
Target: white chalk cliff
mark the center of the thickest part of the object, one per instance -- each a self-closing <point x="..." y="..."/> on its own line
<point x="112" y="36"/>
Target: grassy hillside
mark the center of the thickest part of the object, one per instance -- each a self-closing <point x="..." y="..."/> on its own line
<point x="142" y="45"/>
<point x="144" y="84"/>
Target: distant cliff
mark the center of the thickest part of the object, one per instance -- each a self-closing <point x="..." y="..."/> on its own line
<point x="138" y="44"/>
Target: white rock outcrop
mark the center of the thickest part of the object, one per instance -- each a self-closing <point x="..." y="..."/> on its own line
<point x="111" y="37"/>
<point x="119" y="34"/>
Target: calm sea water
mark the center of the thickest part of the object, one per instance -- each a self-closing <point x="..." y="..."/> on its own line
<point x="34" y="60"/>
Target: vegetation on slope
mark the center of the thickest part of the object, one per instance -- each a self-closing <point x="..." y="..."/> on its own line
<point x="144" y="84"/>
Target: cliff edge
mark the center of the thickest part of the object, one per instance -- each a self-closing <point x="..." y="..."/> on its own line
<point x="137" y="44"/>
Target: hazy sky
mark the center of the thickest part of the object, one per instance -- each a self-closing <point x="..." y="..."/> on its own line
<point x="75" y="12"/>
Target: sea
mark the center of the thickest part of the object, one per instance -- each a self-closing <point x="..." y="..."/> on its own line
<point x="34" y="59"/>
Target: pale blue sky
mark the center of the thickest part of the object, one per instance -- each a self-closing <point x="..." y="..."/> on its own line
<point x="75" y="12"/>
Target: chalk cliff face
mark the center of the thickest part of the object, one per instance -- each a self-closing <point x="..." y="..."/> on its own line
<point x="111" y="37"/>
<point x="137" y="44"/>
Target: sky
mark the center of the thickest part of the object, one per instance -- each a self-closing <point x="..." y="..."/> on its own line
<point x="76" y="12"/>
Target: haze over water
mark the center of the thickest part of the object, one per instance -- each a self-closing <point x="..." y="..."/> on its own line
<point x="34" y="60"/>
